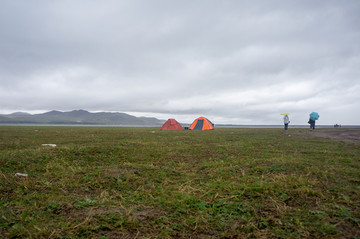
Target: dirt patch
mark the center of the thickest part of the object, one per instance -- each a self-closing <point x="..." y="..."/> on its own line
<point x="117" y="171"/>
<point x="349" y="135"/>
<point x="139" y="214"/>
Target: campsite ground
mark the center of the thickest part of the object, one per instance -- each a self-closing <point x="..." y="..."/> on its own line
<point x="349" y="135"/>
<point x="146" y="183"/>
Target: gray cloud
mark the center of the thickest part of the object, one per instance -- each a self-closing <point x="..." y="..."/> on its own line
<point x="233" y="61"/>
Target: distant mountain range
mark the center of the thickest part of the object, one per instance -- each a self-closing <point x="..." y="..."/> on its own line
<point x="79" y="117"/>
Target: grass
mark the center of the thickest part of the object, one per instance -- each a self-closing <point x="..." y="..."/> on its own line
<point x="146" y="183"/>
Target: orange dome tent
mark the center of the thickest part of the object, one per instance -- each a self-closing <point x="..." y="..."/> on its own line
<point x="201" y="123"/>
<point x="171" y="124"/>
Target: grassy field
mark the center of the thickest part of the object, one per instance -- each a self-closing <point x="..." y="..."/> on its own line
<point x="146" y="183"/>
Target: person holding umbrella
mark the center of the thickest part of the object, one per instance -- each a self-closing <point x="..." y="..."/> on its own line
<point x="286" y="120"/>
<point x="313" y="116"/>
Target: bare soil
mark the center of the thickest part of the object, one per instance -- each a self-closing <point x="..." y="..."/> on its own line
<point x="349" y="135"/>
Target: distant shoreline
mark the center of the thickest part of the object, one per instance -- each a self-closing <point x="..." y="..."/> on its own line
<point x="282" y="126"/>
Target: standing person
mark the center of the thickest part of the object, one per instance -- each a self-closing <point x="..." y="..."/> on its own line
<point x="313" y="116"/>
<point x="312" y="124"/>
<point x="286" y="122"/>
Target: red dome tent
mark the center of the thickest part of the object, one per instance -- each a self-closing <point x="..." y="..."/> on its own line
<point x="171" y="124"/>
<point x="201" y="123"/>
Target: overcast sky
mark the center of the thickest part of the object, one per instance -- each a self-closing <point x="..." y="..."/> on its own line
<point x="232" y="61"/>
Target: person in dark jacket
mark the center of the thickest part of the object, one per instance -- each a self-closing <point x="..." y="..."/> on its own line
<point x="312" y="124"/>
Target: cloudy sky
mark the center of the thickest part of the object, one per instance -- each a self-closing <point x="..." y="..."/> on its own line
<point x="232" y="61"/>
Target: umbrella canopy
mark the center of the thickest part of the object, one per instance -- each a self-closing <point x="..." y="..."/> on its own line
<point x="285" y="114"/>
<point x="314" y="116"/>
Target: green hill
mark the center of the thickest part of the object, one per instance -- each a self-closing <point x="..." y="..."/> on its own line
<point x="78" y="117"/>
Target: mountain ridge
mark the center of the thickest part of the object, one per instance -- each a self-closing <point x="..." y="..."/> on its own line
<point x="79" y="117"/>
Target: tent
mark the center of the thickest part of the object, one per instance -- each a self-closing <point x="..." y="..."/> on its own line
<point x="171" y="124"/>
<point x="201" y="123"/>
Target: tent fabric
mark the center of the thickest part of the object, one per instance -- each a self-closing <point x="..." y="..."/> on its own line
<point x="202" y="123"/>
<point x="171" y="124"/>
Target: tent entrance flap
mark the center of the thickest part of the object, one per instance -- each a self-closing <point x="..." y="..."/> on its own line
<point x="199" y="125"/>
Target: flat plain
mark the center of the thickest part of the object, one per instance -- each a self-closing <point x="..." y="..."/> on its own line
<point x="147" y="183"/>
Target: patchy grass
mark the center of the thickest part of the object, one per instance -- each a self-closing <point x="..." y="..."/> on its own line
<point x="133" y="182"/>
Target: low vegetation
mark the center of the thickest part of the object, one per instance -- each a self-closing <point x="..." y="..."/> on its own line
<point x="146" y="183"/>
